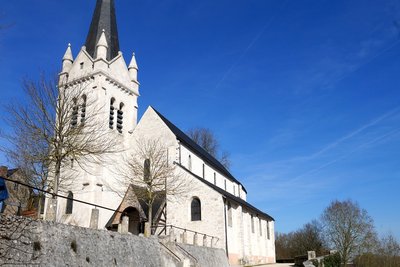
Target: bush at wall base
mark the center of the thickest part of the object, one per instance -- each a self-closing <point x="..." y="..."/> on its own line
<point x="332" y="260"/>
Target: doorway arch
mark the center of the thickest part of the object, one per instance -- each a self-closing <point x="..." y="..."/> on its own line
<point x="135" y="225"/>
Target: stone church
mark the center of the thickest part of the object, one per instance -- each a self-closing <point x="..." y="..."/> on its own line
<point x="214" y="212"/>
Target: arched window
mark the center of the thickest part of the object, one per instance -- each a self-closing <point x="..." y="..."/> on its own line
<point x="111" y="120"/>
<point x="74" y="119"/>
<point x="146" y="170"/>
<point x="195" y="209"/>
<point x="120" y="117"/>
<point x="70" y="203"/>
<point x="190" y="163"/>
<point x="83" y="109"/>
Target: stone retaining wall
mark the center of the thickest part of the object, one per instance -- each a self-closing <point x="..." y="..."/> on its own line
<point x="39" y="243"/>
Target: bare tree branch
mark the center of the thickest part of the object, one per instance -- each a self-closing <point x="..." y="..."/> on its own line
<point x="349" y="229"/>
<point x="57" y="127"/>
<point x="205" y="138"/>
<point x="153" y="175"/>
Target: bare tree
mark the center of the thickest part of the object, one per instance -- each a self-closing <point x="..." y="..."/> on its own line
<point x="56" y="127"/>
<point x="205" y="138"/>
<point x="29" y="157"/>
<point x="389" y="246"/>
<point x="308" y="238"/>
<point x="154" y="176"/>
<point x="387" y="254"/>
<point x="283" y="246"/>
<point x="348" y="228"/>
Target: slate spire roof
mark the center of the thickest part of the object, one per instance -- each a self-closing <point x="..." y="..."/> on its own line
<point x="103" y="19"/>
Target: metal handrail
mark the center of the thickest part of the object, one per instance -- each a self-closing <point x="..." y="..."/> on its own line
<point x="184" y="229"/>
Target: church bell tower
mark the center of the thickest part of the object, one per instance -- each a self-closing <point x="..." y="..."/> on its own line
<point x="101" y="67"/>
<point x="100" y="73"/>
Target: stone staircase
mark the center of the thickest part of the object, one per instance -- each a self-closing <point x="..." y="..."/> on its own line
<point x="184" y="258"/>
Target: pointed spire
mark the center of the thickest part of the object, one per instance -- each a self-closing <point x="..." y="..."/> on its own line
<point x="133" y="69"/>
<point x="68" y="54"/>
<point x="103" y="18"/>
<point x="67" y="60"/>
<point x="103" y="40"/>
<point x="133" y="64"/>
<point x="101" y="47"/>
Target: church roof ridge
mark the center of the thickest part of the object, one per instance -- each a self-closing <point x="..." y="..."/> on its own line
<point x="104" y="18"/>
<point x="181" y="136"/>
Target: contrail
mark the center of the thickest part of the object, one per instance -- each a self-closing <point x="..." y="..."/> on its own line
<point x="359" y="130"/>
<point x="389" y="47"/>
<point x="251" y="44"/>
<point x="379" y="138"/>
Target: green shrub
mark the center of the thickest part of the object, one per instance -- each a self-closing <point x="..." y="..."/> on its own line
<point x="315" y="263"/>
<point x="333" y="260"/>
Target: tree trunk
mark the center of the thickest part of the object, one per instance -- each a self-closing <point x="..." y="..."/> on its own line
<point x="56" y="183"/>
<point x="148" y="229"/>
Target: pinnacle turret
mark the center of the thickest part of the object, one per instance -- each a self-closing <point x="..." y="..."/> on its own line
<point x="102" y="46"/>
<point x="133" y="69"/>
<point x="68" y="54"/>
<point x="67" y="60"/>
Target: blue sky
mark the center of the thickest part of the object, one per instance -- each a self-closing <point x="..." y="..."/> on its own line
<point x="303" y="94"/>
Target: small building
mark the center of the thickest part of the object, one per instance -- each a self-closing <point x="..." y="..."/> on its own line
<point x="19" y="197"/>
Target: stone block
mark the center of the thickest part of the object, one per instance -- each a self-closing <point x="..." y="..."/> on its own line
<point x="51" y="209"/>
<point x="94" y="219"/>
<point x="125" y="225"/>
<point x="184" y="237"/>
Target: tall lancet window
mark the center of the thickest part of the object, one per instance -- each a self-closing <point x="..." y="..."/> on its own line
<point x="252" y="223"/>
<point x="195" y="209"/>
<point x="74" y="117"/>
<point x="229" y="214"/>
<point x="83" y="109"/>
<point x="190" y="163"/>
<point x="111" y="119"/>
<point x="146" y="170"/>
<point x="120" y="117"/>
<point x="70" y="203"/>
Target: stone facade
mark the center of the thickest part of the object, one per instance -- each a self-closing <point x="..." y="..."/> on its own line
<point x="244" y="240"/>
